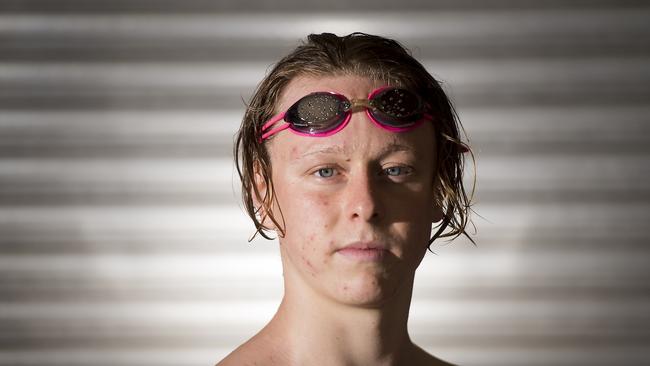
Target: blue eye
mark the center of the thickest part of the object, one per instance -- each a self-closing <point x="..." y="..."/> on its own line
<point x="325" y="172"/>
<point x="394" y="170"/>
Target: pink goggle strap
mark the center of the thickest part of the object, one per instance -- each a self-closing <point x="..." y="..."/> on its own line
<point x="270" y="123"/>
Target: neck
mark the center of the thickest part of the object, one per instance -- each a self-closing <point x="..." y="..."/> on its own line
<point x="318" y="330"/>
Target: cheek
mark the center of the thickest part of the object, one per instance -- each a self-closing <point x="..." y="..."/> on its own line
<point x="310" y="213"/>
<point x="324" y="205"/>
<point x="308" y="221"/>
<point x="414" y="221"/>
<point x="310" y="249"/>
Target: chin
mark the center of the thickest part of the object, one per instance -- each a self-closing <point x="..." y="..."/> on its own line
<point x="367" y="291"/>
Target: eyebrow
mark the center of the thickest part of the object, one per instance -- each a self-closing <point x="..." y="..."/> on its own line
<point x="325" y="150"/>
<point x="395" y="147"/>
<point x="388" y="149"/>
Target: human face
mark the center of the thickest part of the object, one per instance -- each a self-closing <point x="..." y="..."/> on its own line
<point x="363" y="187"/>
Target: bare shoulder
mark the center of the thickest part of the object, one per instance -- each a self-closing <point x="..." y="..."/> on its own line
<point x="244" y="355"/>
<point x="257" y="351"/>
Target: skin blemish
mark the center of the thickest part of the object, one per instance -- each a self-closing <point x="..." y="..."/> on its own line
<point x="312" y="270"/>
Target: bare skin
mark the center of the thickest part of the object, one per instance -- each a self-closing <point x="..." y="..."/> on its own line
<point x="364" y="185"/>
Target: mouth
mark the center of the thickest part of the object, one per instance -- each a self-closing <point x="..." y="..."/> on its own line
<point x="363" y="251"/>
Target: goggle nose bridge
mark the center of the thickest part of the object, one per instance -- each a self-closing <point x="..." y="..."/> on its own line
<point x="356" y="104"/>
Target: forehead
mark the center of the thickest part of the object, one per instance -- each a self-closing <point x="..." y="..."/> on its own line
<point x="352" y="86"/>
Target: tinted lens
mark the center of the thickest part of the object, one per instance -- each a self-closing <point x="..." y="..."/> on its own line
<point x="396" y="107"/>
<point x="317" y="112"/>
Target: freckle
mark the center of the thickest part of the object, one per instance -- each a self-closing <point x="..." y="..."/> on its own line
<point x="345" y="288"/>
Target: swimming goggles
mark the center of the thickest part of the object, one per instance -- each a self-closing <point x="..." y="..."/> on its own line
<point x="323" y="114"/>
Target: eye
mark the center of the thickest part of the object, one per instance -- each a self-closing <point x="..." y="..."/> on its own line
<point x="325" y="172"/>
<point x="396" y="170"/>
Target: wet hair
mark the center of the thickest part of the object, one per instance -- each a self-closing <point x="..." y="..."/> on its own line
<point x="364" y="55"/>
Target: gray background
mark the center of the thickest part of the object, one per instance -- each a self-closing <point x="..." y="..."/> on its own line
<point x="122" y="241"/>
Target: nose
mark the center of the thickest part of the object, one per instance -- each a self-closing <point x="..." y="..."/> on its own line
<point x="362" y="200"/>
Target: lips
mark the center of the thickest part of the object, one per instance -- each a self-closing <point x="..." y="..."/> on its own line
<point x="364" y="251"/>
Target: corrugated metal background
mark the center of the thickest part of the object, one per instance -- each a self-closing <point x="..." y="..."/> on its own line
<point x="122" y="241"/>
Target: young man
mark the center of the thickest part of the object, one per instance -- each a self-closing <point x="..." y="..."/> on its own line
<point x="350" y="152"/>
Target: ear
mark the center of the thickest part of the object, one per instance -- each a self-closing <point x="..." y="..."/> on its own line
<point x="260" y="190"/>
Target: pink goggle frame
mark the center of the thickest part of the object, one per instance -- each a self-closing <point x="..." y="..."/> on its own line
<point x="393" y="109"/>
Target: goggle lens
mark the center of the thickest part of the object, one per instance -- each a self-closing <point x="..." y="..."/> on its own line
<point x="317" y="112"/>
<point x="396" y="107"/>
